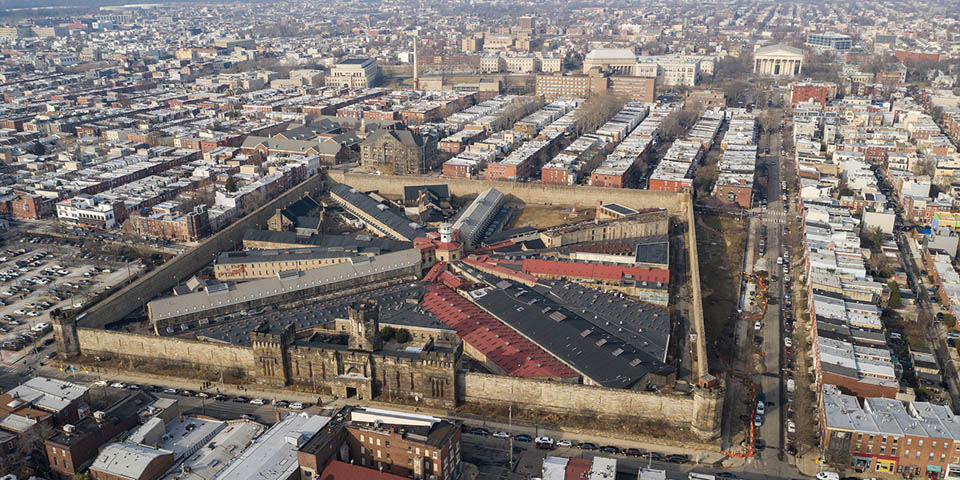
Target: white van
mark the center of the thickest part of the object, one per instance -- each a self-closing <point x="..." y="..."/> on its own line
<point x="828" y="476"/>
<point x="779" y="260"/>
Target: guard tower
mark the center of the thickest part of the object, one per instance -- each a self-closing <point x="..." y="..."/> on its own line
<point x="365" y="326"/>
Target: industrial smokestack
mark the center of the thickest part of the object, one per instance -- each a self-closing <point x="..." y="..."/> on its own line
<point x="416" y="66"/>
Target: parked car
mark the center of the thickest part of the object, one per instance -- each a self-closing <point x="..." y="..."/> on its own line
<point x="587" y="446"/>
<point x="523" y="437"/>
<point x="258" y="401"/>
<point x="501" y="435"/>
<point x="610" y="449"/>
<point x="565" y="443"/>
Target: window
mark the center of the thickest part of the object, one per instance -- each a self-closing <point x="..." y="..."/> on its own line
<point x="388" y="444"/>
<point x="909" y="441"/>
<point x="893" y="451"/>
<point x="434" y="454"/>
<point x="920" y="442"/>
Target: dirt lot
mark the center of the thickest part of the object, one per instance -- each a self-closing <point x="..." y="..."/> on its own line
<point x="720" y="245"/>
<point x="543" y="216"/>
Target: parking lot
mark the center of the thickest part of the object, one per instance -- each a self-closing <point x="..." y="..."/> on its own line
<point x="41" y="273"/>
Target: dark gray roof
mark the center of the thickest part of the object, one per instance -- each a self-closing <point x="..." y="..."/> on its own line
<point x="412" y="192"/>
<point x="616" y="207"/>
<point x="355" y="61"/>
<point x="303" y="207"/>
<point x="507" y="234"/>
<point x="654" y="250"/>
<point x="402" y="135"/>
<point x="363" y="243"/>
<point x="394" y="311"/>
<point x="402" y="226"/>
<point x="839" y="370"/>
<point x="612" y="354"/>
<point x="282" y="255"/>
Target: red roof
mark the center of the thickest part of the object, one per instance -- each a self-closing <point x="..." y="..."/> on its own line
<point x="578" y="468"/>
<point x="453" y="281"/>
<point x="435" y="272"/>
<point x="337" y="470"/>
<point x="484" y="262"/>
<point x="593" y="270"/>
<point x="490" y="248"/>
<point x="501" y="345"/>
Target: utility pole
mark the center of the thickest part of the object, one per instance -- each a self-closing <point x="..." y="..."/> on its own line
<point x="510" y="432"/>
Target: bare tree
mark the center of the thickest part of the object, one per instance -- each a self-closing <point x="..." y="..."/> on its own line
<point x="925" y="166"/>
<point x="596" y="111"/>
<point x="677" y="123"/>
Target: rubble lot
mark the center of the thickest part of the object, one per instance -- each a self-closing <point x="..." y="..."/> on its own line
<point x="38" y="277"/>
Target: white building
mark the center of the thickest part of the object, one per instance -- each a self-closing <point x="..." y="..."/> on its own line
<point x="778" y="61"/>
<point x="89" y="211"/>
<point x="354" y="73"/>
<point x="617" y="60"/>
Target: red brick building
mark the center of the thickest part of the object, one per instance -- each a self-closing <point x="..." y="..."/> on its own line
<point x="188" y="227"/>
<point x="671" y="184"/>
<point x="556" y="176"/>
<point x="394" y="443"/>
<point x="908" y="56"/>
<point x="741" y="195"/>
<point x="810" y="91"/>
<point x="32" y="206"/>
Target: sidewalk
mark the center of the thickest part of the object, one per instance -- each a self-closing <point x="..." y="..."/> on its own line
<point x="113" y="375"/>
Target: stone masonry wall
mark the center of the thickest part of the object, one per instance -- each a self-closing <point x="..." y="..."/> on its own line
<point x="181" y="267"/>
<point x="564" y="397"/>
<point x="583" y="196"/>
<point x="176" y="352"/>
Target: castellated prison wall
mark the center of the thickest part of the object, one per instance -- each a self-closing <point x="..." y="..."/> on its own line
<point x="181" y="267"/>
<point x="583" y="196"/>
<point x="560" y="397"/>
<point x="701" y="410"/>
<point x="167" y="351"/>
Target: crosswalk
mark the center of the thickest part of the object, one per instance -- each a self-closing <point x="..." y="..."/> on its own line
<point x="777" y="217"/>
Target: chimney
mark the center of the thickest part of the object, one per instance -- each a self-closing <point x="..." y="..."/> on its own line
<point x="416" y="67"/>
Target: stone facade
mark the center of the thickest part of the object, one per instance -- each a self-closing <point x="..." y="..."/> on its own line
<point x="361" y="368"/>
<point x="399" y="151"/>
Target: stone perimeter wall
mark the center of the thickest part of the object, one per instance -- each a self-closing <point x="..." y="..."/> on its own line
<point x="583" y="196"/>
<point x="566" y="397"/>
<point x="169" y="351"/>
<point x="471" y="387"/>
<point x="181" y="267"/>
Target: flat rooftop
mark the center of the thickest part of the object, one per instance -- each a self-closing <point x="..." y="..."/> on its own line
<point x="273" y="456"/>
<point x="609" y="353"/>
